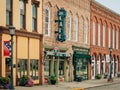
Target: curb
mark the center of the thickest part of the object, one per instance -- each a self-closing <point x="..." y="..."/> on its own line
<point x="78" y="89"/>
<point x="103" y="85"/>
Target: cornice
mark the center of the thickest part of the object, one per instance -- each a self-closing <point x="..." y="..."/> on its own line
<point x="21" y="33"/>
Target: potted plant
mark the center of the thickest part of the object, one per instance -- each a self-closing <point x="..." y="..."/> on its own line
<point x="53" y="79"/>
<point x="98" y="76"/>
<point x="4" y="82"/>
<point x="26" y="81"/>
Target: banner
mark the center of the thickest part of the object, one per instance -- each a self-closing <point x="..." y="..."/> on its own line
<point x="6" y="48"/>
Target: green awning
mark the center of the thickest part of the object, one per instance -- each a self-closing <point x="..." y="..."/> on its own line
<point x="82" y="56"/>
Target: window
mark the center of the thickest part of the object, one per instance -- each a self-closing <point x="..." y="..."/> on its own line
<point x="8" y="12"/>
<point x="47" y="21"/>
<point x="104" y="33"/>
<point x="34" y="69"/>
<point x="76" y="29"/>
<point x="22" y="67"/>
<point x="99" y="34"/>
<point x="116" y="39"/>
<point x="22" y="14"/>
<point x="113" y="39"/>
<point x="34" y="17"/>
<point x="69" y="27"/>
<point x="85" y="32"/>
<point x="109" y="37"/>
<point x="94" y="33"/>
<point x="61" y="68"/>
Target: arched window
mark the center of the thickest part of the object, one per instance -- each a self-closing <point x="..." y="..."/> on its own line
<point x="99" y="34"/>
<point x="104" y="35"/>
<point x="94" y="33"/>
<point x="47" y="21"/>
<point x="85" y="32"/>
<point x="69" y="27"/>
<point x="76" y="29"/>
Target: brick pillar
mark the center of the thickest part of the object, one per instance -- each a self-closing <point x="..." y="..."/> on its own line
<point x="0" y="54"/>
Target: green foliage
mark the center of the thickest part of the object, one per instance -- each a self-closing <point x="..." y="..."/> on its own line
<point x="24" y="80"/>
<point x="53" y="77"/>
<point x="4" y="80"/>
<point x="98" y="76"/>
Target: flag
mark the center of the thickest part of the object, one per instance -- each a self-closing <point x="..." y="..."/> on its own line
<point x="6" y="48"/>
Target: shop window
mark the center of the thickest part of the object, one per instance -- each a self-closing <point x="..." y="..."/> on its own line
<point x="61" y="68"/>
<point x="22" y="67"/>
<point x="47" y="68"/>
<point x="22" y="13"/>
<point x="34" y="69"/>
<point x="8" y="12"/>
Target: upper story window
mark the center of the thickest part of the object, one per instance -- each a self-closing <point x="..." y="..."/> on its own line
<point x="104" y="35"/>
<point x="76" y="29"/>
<point x="34" y="17"/>
<point x="99" y="32"/>
<point x="69" y="27"/>
<point x="85" y="32"/>
<point x="113" y="38"/>
<point x="109" y="37"/>
<point x="94" y="33"/>
<point x="117" y="39"/>
<point x="47" y="21"/>
<point x="8" y="12"/>
<point x="22" y="14"/>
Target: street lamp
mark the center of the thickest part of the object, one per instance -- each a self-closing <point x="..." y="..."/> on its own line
<point x="12" y="33"/>
<point x="110" y="76"/>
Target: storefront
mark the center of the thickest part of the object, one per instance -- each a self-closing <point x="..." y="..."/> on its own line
<point x="56" y="64"/>
<point x="81" y="61"/>
<point x="27" y="55"/>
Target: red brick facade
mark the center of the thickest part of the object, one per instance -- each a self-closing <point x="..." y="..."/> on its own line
<point x="99" y="49"/>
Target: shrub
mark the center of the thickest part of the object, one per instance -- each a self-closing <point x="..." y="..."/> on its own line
<point x="98" y="76"/>
<point x="53" y="79"/>
<point x="26" y="81"/>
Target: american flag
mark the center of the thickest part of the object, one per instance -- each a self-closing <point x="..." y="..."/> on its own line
<point x="6" y="48"/>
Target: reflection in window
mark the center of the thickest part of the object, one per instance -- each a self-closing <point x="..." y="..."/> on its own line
<point x="61" y="68"/>
<point x="8" y="12"/>
<point x="47" y="68"/>
<point x="22" y="67"/>
<point x="34" y="69"/>
<point x="34" y="17"/>
<point x="81" y="68"/>
<point x="22" y="14"/>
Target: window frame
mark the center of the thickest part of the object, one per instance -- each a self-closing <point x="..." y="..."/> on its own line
<point x="69" y="27"/>
<point x="9" y="12"/>
<point x="34" y="18"/>
<point x="47" y="29"/>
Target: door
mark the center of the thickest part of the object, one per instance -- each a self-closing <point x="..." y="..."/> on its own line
<point x="7" y="67"/>
<point x="93" y="69"/>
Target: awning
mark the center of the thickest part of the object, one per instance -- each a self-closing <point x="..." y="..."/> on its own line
<point x="82" y="56"/>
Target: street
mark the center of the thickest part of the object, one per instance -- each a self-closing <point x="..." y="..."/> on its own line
<point x="106" y="87"/>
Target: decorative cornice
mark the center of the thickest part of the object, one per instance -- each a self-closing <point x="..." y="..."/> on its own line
<point x="21" y="33"/>
<point x="36" y="2"/>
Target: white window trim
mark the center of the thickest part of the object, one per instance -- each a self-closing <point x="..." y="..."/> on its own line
<point x="94" y="33"/>
<point x="113" y="39"/>
<point x="76" y="29"/>
<point x="69" y="27"/>
<point x="116" y="39"/>
<point x="85" y="32"/>
<point x="104" y="35"/>
<point x="99" y="33"/>
<point x="109" y="37"/>
<point x="48" y="22"/>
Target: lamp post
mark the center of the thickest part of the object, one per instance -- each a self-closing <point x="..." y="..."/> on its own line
<point x="11" y="32"/>
<point x="110" y="76"/>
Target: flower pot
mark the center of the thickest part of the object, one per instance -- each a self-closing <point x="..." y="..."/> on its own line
<point x="53" y="82"/>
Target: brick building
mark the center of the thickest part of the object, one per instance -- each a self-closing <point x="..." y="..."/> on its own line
<point x="105" y="33"/>
<point x="72" y="60"/>
<point x="26" y="17"/>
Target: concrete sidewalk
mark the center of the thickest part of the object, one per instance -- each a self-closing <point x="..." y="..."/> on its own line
<point x="71" y="85"/>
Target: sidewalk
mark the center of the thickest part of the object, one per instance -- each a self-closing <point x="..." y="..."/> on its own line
<point x="71" y="85"/>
